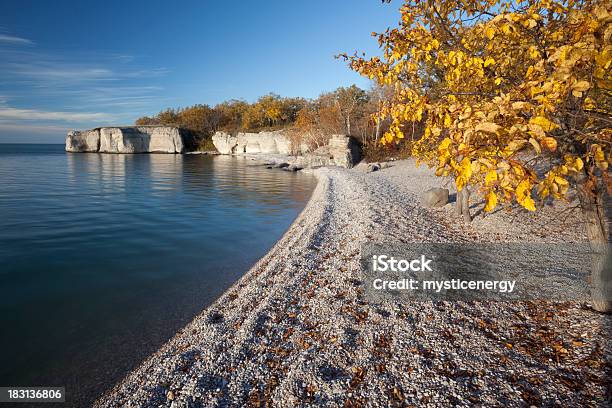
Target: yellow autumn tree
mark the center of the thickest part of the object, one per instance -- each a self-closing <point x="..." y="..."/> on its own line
<point x="514" y="99"/>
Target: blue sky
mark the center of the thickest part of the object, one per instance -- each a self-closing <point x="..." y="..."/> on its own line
<point x="78" y="64"/>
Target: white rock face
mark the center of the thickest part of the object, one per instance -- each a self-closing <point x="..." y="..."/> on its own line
<point x="344" y="151"/>
<point x="132" y="139"/>
<point x="341" y="150"/>
<point x="265" y="142"/>
<point x="224" y="142"/>
<point x="86" y="141"/>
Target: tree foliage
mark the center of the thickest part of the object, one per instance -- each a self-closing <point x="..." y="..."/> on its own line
<point x="345" y="110"/>
<point x="500" y="87"/>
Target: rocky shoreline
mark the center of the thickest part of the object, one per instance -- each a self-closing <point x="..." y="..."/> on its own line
<point x="297" y="330"/>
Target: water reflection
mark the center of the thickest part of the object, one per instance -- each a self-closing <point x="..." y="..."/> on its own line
<point x="120" y="251"/>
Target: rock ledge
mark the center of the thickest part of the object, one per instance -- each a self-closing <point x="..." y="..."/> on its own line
<point x="129" y="139"/>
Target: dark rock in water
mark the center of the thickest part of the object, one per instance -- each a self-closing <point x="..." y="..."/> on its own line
<point x="435" y="197"/>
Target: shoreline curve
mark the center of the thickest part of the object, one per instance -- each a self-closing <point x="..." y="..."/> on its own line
<point x="296" y="329"/>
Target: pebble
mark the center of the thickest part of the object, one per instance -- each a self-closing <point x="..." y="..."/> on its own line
<point x="275" y="338"/>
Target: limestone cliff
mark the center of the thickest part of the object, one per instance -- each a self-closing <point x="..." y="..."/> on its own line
<point x="341" y="150"/>
<point x="130" y="139"/>
<point x="264" y="142"/>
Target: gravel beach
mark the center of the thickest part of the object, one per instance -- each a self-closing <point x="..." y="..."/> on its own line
<point x="296" y="330"/>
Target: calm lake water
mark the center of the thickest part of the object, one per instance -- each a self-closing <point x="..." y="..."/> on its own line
<point x="104" y="257"/>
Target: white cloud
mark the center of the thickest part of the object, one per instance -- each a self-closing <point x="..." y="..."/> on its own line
<point x="56" y="72"/>
<point x="15" y="40"/>
<point x="39" y="89"/>
<point x="32" y="128"/>
<point x="34" y="114"/>
<point x="75" y="73"/>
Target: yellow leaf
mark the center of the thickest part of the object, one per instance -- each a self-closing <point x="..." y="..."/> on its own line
<point x="515" y="145"/>
<point x="475" y="166"/>
<point x="489" y="127"/>
<point x="460" y="182"/>
<point x="498" y="81"/>
<point x="589" y="104"/>
<point x="602" y="165"/>
<point x="522" y="191"/>
<point x="486" y="162"/>
<point x="536" y="130"/>
<point x="503" y="166"/>
<point x="601" y="13"/>
<point x="578" y="164"/>
<point x="491" y="202"/>
<point x="490" y="32"/>
<point x="466" y="113"/>
<point x="534" y="54"/>
<point x="581" y="86"/>
<point x="444" y="144"/>
<point x="598" y="153"/>
<point x="519" y="105"/>
<point x="535" y="145"/>
<point x="465" y="172"/>
<point x="544" y="123"/>
<point x="529" y="204"/>
<point x="489" y="61"/>
<point x="466" y="168"/>
<point x="490" y="177"/>
<point x="523" y="195"/>
<point x="447" y="120"/>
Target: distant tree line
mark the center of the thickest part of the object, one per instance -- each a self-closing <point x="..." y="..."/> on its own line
<point x="347" y="110"/>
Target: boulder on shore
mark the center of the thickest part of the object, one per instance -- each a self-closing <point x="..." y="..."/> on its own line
<point x="435" y="197"/>
<point x="344" y="151"/>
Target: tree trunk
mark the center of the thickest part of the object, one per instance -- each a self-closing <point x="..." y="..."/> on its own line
<point x="459" y="203"/>
<point x="596" y="206"/>
<point x="462" y="205"/>
<point x="465" y="206"/>
<point x="378" y="127"/>
<point x="348" y="125"/>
